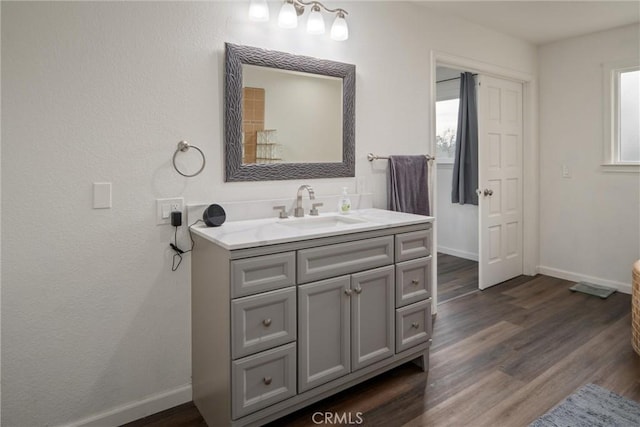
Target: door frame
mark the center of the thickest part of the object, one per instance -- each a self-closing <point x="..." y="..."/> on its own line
<point x="530" y="155"/>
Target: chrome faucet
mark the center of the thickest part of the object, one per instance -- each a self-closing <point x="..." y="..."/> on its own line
<point x="298" y="212"/>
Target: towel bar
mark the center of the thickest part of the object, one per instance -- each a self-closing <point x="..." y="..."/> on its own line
<point x="371" y="157"/>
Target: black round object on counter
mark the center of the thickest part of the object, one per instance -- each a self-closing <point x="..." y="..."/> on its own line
<point x="214" y="216"/>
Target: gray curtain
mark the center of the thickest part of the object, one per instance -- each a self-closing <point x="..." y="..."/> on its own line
<point x="465" y="166"/>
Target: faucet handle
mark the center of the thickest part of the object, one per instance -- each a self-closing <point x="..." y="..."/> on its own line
<point x="314" y="208"/>
<point x="283" y="211"/>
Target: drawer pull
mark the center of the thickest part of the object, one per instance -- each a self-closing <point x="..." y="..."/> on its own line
<point x="358" y="290"/>
<point x="415" y="325"/>
<point x="266" y="322"/>
<point x="348" y="292"/>
<point x="415" y="282"/>
<point x="267" y="380"/>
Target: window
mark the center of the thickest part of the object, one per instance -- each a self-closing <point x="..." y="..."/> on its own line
<point x="446" y="128"/>
<point x="622" y="115"/>
<point x="447" y="103"/>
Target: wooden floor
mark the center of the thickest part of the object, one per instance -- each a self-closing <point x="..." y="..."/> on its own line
<point x="456" y="277"/>
<point x="500" y="357"/>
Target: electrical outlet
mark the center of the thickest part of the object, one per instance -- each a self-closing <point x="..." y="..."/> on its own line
<point x="164" y="207"/>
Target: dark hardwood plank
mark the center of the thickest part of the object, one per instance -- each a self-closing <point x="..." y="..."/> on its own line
<point x="456" y="277"/>
<point x="503" y="356"/>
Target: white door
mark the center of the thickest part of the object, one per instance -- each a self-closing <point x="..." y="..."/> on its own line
<point x="499" y="180"/>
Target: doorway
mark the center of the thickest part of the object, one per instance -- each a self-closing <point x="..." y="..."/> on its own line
<point x="457" y="225"/>
<point x="527" y="200"/>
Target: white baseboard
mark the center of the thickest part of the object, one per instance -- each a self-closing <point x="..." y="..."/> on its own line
<point x="138" y="409"/>
<point x="625" y="288"/>
<point x="459" y="254"/>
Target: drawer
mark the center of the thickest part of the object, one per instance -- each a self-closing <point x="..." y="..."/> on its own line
<point x="263" y="379"/>
<point x="263" y="321"/>
<point x="263" y="273"/>
<point x="416" y="244"/>
<point x="344" y="258"/>
<point x="413" y="325"/>
<point x="413" y="281"/>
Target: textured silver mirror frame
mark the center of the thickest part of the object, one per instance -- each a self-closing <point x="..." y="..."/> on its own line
<point x="235" y="170"/>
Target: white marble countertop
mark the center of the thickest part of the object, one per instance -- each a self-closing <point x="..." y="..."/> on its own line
<point x="269" y="231"/>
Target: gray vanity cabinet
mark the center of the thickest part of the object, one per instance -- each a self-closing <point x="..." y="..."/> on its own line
<point x="278" y="327"/>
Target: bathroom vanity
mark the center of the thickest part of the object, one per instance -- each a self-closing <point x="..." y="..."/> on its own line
<point x="286" y="312"/>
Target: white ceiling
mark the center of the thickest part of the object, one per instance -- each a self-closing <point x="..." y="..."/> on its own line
<point x="541" y="22"/>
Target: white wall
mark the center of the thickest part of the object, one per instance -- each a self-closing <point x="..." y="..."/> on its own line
<point x="589" y="223"/>
<point x="92" y="317"/>
<point x="457" y="224"/>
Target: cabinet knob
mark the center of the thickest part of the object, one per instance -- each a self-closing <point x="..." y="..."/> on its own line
<point x="415" y="282"/>
<point x="429" y="299"/>
<point x="266" y="380"/>
<point x="415" y="325"/>
<point x="266" y="322"/>
<point x="348" y="292"/>
<point x="358" y="290"/>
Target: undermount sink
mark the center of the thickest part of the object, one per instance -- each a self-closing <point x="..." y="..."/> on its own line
<point x="311" y="222"/>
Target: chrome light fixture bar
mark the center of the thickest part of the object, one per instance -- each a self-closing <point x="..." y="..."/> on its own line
<point x="291" y="9"/>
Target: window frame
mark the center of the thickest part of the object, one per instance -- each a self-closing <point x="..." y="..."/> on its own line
<point x="611" y="121"/>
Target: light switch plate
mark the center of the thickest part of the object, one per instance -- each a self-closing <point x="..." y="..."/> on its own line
<point x="164" y="207"/>
<point x="101" y="195"/>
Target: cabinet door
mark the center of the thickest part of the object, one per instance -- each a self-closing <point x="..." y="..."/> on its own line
<point x="372" y="316"/>
<point x="323" y="332"/>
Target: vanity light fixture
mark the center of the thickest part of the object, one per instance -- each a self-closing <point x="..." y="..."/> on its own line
<point x="291" y="9"/>
<point x="258" y="11"/>
<point x="288" y="17"/>
<point x="315" y="21"/>
<point x="339" y="29"/>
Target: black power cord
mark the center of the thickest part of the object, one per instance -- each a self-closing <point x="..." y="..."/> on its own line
<point x="179" y="252"/>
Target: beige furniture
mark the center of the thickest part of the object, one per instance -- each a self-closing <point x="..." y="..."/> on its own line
<point x="635" y="308"/>
<point x="278" y="327"/>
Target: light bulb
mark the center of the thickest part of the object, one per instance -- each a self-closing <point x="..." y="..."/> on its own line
<point x="315" y="22"/>
<point x="288" y="18"/>
<point x="258" y="11"/>
<point x="339" y="29"/>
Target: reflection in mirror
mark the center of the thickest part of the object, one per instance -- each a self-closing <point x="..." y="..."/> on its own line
<point x="276" y="126"/>
<point x="290" y="116"/>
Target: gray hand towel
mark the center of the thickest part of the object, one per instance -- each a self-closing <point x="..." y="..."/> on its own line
<point x="408" y="183"/>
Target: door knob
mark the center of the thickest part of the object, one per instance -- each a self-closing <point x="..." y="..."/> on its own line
<point x="358" y="290"/>
<point x="488" y="192"/>
<point x="348" y="292"/>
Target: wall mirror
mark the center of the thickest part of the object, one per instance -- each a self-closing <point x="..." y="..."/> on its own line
<point x="287" y="116"/>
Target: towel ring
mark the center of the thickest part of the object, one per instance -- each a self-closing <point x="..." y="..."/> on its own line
<point x="183" y="146"/>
